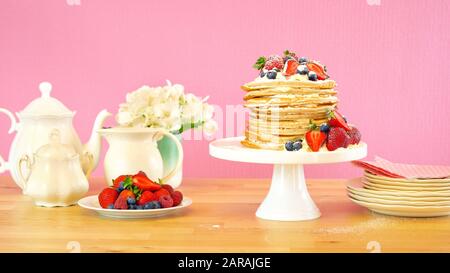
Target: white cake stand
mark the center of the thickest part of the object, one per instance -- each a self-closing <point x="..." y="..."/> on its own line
<point x="288" y="198"/>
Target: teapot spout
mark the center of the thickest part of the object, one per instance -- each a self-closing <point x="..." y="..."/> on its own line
<point x="94" y="145"/>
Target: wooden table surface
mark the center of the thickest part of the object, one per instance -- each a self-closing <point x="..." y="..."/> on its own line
<point x="221" y="219"/>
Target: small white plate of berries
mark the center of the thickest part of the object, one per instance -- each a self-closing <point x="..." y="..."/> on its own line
<point x="136" y="196"/>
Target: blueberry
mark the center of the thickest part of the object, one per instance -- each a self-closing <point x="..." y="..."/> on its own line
<point x="156" y="204"/>
<point x="303" y="60"/>
<point x="312" y="76"/>
<point x="262" y="74"/>
<point x="131" y="206"/>
<point x="272" y="75"/>
<point x="325" y="128"/>
<point x="121" y="187"/>
<point x="289" y="146"/>
<point x="110" y="206"/>
<point x="131" y="201"/>
<point x="149" y="205"/>
<point x="302" y="70"/>
<point x="139" y="207"/>
<point x="297" y="145"/>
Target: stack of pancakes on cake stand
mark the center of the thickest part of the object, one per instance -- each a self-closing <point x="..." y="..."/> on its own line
<point x="281" y="110"/>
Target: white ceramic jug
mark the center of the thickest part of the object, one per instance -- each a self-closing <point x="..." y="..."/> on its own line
<point x="135" y="149"/>
<point x="54" y="176"/>
<point x="36" y="122"/>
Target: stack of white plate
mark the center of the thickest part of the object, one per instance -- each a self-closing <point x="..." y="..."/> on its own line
<point x="402" y="197"/>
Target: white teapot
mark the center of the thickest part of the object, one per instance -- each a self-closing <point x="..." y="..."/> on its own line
<point x="36" y="122"/>
<point x="54" y="175"/>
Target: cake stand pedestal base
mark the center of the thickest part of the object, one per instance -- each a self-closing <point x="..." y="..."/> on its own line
<point x="288" y="198"/>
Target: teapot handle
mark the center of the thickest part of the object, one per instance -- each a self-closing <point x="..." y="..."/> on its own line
<point x="179" y="159"/>
<point x="3" y="164"/>
<point x="25" y="159"/>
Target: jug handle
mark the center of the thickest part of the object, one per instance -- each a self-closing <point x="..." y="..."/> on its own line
<point x="180" y="156"/>
<point x="25" y="159"/>
<point x="90" y="159"/>
<point x="3" y="164"/>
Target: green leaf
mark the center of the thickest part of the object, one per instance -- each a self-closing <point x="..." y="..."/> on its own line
<point x="188" y="126"/>
<point x="260" y="63"/>
<point x="312" y="126"/>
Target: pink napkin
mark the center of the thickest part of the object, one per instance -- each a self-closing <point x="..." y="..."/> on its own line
<point x="398" y="170"/>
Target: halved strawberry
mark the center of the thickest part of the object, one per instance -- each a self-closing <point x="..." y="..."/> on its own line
<point x="315" y="139"/>
<point x="141" y="173"/>
<point x="336" y="120"/>
<point x="107" y="197"/>
<point x="144" y="183"/>
<point x="290" y="67"/>
<point x="319" y="69"/>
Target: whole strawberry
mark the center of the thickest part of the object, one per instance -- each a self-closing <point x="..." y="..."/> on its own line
<point x="107" y="197"/>
<point x="147" y="196"/>
<point x="121" y="202"/>
<point x="337" y="138"/>
<point x="355" y="135"/>
<point x="121" y="178"/>
<point x="274" y="61"/>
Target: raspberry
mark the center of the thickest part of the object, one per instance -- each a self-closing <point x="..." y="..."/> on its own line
<point x="355" y="135"/>
<point x="177" y="197"/>
<point x="274" y="61"/>
<point x="160" y="193"/>
<point x="166" y="201"/>
<point x="168" y="188"/>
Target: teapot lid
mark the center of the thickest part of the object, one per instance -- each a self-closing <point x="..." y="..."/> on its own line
<point x="55" y="149"/>
<point x="46" y="105"/>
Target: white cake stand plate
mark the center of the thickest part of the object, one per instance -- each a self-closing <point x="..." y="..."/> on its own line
<point x="288" y="198"/>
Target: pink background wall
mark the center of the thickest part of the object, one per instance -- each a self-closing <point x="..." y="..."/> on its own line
<point x="391" y="62"/>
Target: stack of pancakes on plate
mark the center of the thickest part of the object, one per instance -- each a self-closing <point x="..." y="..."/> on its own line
<point x="280" y="110"/>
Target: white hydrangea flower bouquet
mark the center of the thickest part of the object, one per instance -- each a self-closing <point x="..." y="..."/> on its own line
<point x="166" y="107"/>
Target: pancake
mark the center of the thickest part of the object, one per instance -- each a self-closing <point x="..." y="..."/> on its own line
<point x="266" y="84"/>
